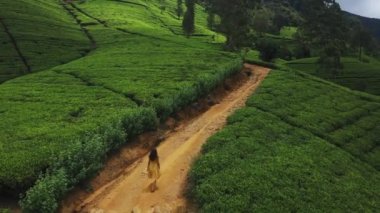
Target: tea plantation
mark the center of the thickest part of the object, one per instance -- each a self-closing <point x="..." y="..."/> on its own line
<point x="357" y="75"/>
<point x="62" y="121"/>
<point x="300" y="145"/>
<point x="44" y="33"/>
<point x="80" y="78"/>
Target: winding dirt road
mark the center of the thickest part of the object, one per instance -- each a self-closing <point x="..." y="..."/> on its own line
<point x="129" y="192"/>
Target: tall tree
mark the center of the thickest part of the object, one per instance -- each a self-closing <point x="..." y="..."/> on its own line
<point x="325" y="28"/>
<point x="362" y="39"/>
<point x="188" y="23"/>
<point x="235" y="18"/>
<point x="179" y="8"/>
<point x="262" y="20"/>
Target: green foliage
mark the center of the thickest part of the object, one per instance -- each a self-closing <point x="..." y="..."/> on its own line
<point x="179" y="8"/>
<point x="330" y="59"/>
<point x="65" y="119"/>
<point x="82" y="160"/>
<point x="253" y="57"/>
<point x="323" y="109"/>
<point x="355" y="74"/>
<point x="277" y="153"/>
<point x="135" y="123"/>
<point x="162" y="5"/>
<point x="43" y="196"/>
<point x="327" y="32"/>
<point x="85" y="155"/>
<point x="45" y="121"/>
<point x="235" y="20"/>
<point x="283" y="14"/>
<point x="361" y="39"/>
<point x="268" y="49"/>
<point x="328" y="28"/>
<point x="262" y="20"/>
<point x="45" y="34"/>
<point x="288" y="32"/>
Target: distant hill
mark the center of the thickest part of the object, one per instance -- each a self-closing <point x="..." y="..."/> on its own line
<point x="372" y="24"/>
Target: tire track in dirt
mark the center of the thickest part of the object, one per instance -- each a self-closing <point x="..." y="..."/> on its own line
<point x="129" y="192"/>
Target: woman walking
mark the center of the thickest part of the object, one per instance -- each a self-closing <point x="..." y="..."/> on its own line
<point x="153" y="169"/>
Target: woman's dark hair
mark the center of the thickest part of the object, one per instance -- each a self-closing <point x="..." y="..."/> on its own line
<point x="153" y="155"/>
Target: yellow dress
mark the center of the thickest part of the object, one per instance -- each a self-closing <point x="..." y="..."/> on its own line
<point x="153" y="169"/>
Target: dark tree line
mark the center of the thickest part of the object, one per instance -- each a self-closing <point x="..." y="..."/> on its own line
<point x="361" y="39"/>
<point x="323" y="28"/>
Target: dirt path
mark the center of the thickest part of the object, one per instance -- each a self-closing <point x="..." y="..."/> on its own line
<point x="130" y="193"/>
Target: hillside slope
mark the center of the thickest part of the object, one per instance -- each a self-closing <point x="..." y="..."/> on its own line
<point x="372" y="24"/>
<point x="36" y="35"/>
<point x="301" y="144"/>
<point x="355" y="74"/>
<point x="140" y="72"/>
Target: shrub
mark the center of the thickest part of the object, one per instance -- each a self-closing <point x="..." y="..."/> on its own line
<point x="73" y="165"/>
<point x="139" y="120"/>
<point x="268" y="49"/>
<point x="83" y="159"/>
<point x="43" y="197"/>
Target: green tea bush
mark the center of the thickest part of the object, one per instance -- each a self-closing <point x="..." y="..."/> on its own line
<point x="204" y="85"/>
<point x="83" y="159"/>
<point x="43" y="197"/>
<point x="354" y="74"/>
<point x="49" y="37"/>
<point x="136" y="122"/>
<point x="66" y="119"/>
<point x="260" y="163"/>
<point x="300" y="144"/>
